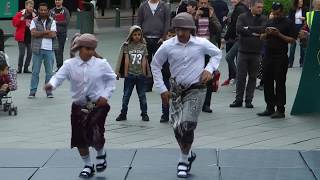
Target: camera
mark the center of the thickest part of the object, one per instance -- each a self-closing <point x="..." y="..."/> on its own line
<point x="205" y="11"/>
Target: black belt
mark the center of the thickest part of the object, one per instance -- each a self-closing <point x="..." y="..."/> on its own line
<point x="193" y="86"/>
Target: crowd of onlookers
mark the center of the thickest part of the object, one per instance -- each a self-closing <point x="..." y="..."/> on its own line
<point x="249" y="40"/>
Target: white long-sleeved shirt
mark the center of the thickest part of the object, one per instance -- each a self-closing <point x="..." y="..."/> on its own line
<point x="186" y="61"/>
<point x="94" y="79"/>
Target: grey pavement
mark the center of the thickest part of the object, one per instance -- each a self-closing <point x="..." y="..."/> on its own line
<point x="41" y="132"/>
<point x="160" y="164"/>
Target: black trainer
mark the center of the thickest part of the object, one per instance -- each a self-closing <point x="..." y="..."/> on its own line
<point x="249" y="105"/>
<point x="267" y="112"/>
<point x="121" y="117"/>
<point x="145" y="117"/>
<point x="278" y="115"/>
<point x="236" y="104"/>
<point x="164" y="119"/>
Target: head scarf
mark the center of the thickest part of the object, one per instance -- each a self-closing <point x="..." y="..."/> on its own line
<point x="84" y="40"/>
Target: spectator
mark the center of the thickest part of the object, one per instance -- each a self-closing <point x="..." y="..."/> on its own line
<point x="208" y="27"/>
<point x="279" y="32"/>
<point x="44" y="42"/>
<point x="154" y="19"/>
<point x="250" y="26"/>
<point x="22" y="21"/>
<point x="62" y="17"/>
<point x="1" y="40"/>
<point x="192" y="7"/>
<point x="297" y="15"/>
<point x="135" y="71"/>
<point x="231" y="39"/>
<point x="4" y="76"/>
<point x="182" y="6"/>
<point x="166" y="79"/>
<point x="221" y="10"/>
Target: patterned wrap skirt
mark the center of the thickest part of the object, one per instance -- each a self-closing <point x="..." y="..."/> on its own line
<point x="185" y="106"/>
<point x="88" y="128"/>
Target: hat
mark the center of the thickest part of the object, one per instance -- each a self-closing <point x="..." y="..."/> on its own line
<point x="192" y="3"/>
<point x="84" y="40"/>
<point x="183" y="20"/>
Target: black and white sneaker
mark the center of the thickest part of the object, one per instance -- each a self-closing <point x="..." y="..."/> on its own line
<point x="32" y="95"/>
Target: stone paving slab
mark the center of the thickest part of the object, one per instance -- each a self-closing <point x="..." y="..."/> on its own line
<point x="169" y="173"/>
<point x="169" y="158"/>
<point x="312" y="158"/>
<point x="72" y="174"/>
<point x="261" y="159"/>
<point x="231" y="173"/>
<point x="24" y="158"/>
<point x="316" y="173"/>
<point x="67" y="158"/>
<point x="16" y="173"/>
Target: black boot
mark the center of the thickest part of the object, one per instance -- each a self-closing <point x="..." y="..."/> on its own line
<point x="121" y="117"/>
<point x="145" y="117"/>
<point x="26" y="70"/>
<point x="236" y="104"/>
<point x="266" y="112"/>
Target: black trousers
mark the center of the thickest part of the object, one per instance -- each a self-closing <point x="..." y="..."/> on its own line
<point x="1" y="40"/>
<point x="59" y="52"/>
<point x="207" y="101"/>
<point x="275" y="69"/>
<point x="152" y="47"/>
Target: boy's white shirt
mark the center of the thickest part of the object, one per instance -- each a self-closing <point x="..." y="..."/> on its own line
<point x="94" y="78"/>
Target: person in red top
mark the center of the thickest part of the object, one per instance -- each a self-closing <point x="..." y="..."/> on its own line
<point x="22" y="22"/>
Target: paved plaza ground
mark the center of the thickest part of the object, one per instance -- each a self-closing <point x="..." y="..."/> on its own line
<point x="37" y="140"/>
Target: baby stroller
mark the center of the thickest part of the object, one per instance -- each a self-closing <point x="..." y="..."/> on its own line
<point x="6" y="103"/>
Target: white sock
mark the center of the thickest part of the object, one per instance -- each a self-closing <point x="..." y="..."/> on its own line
<point x="87" y="160"/>
<point x="189" y="155"/>
<point x="100" y="152"/>
<point x="184" y="158"/>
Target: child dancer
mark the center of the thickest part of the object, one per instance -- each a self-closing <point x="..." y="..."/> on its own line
<point x="92" y="84"/>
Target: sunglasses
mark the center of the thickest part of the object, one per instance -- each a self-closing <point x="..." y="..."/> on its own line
<point x="276" y="3"/>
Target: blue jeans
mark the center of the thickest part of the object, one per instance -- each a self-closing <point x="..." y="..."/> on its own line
<point x="129" y="83"/>
<point x="293" y="49"/>
<point x="48" y="58"/>
<point x="165" y="108"/>
<point x="230" y="57"/>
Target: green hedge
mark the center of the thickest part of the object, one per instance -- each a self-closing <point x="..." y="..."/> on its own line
<point x="287" y="4"/>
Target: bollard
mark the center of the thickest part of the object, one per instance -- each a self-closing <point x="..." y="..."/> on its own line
<point x="117" y="18"/>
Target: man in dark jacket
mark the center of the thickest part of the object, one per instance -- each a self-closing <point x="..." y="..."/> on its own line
<point x="154" y="19"/>
<point x="280" y="32"/>
<point x="231" y="39"/>
<point x="250" y="26"/>
<point x="221" y="9"/>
